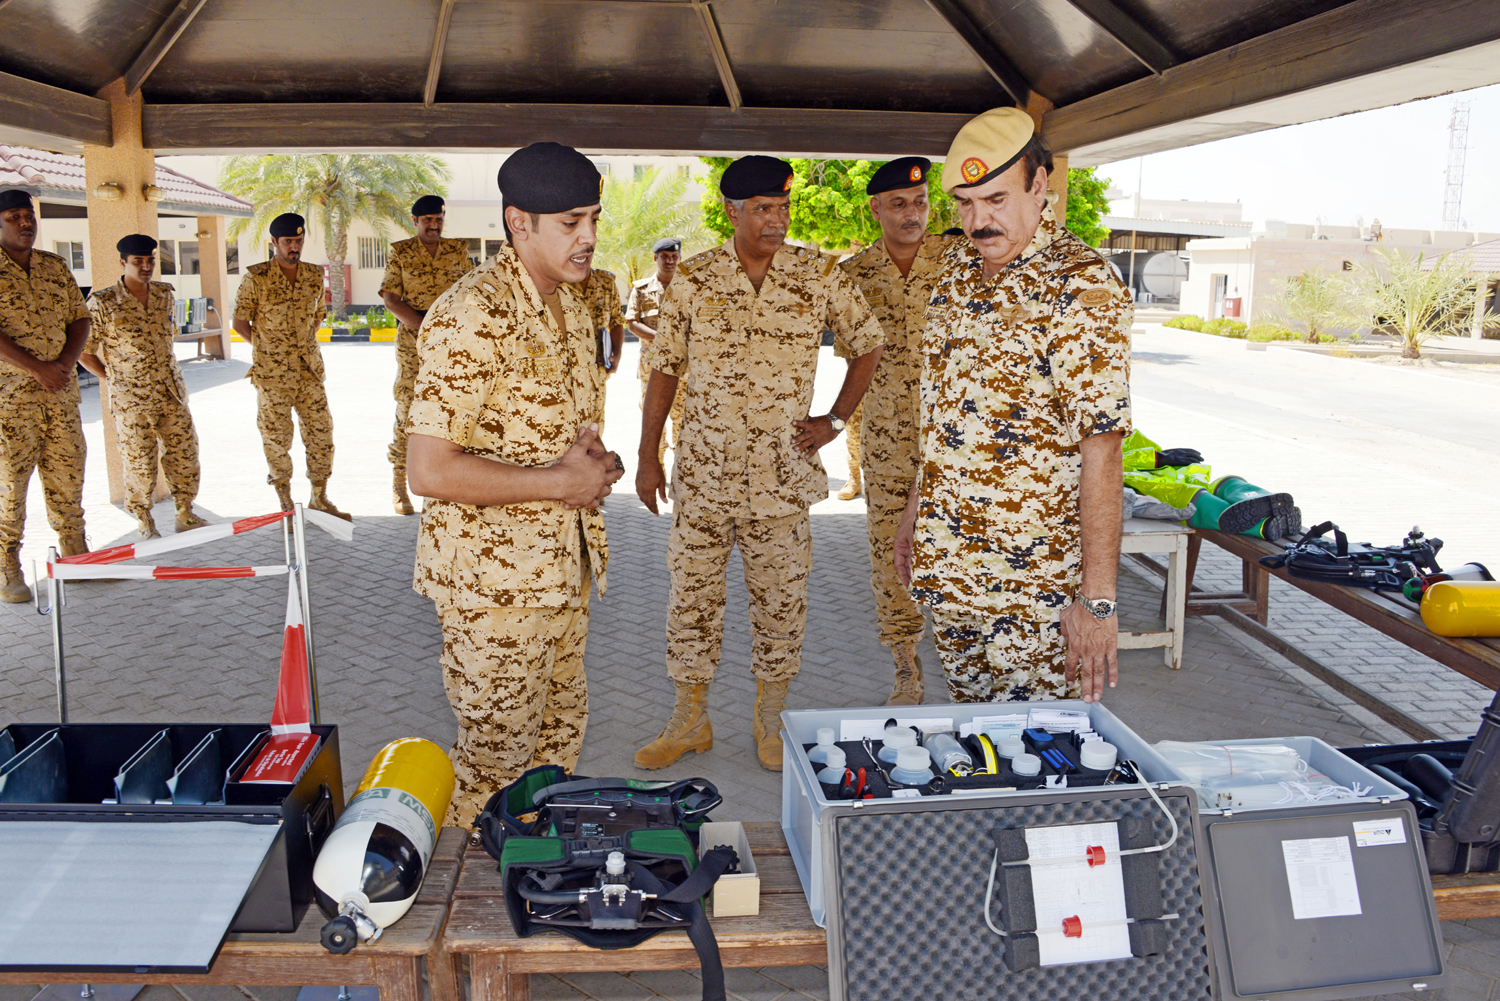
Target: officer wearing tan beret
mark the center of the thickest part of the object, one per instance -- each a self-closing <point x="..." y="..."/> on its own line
<point x="1012" y="531"/>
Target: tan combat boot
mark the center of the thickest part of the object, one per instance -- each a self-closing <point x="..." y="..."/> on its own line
<point x="146" y="527"/>
<point x="688" y="730"/>
<point x="283" y="496"/>
<point x="15" y="590"/>
<point x="187" y="520"/>
<point x="320" y="501"/>
<point x="770" y="699"/>
<point x="908" y="690"/>
<point x="399" y="496"/>
<point x="72" y="544"/>
<point x="853" y="488"/>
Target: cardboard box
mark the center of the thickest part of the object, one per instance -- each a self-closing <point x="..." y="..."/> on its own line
<point x="735" y="894"/>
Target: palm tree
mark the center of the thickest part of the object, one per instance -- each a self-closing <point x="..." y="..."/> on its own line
<point x="333" y="190"/>
<point x="1315" y="299"/>
<point x="1417" y="301"/>
<point x="637" y="213"/>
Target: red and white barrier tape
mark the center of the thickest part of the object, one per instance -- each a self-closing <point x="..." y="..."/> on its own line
<point x="92" y="566"/>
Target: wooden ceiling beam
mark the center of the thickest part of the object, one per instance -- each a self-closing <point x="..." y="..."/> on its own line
<point x="986" y="51"/>
<point x="39" y="110"/>
<point x="161" y="43"/>
<point x="179" y="128"/>
<point x="1130" y="33"/>
<point x="439" y="44"/>
<point x="715" y="39"/>
<point x="1359" y="39"/>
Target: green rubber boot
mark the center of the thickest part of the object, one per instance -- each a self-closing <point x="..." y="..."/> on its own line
<point x="1209" y="511"/>
<point x="1250" y="506"/>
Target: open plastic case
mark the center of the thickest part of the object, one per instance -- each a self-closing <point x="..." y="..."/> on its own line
<point x="140" y="846"/>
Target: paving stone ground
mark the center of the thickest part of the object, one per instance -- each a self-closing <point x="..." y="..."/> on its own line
<point x="208" y="650"/>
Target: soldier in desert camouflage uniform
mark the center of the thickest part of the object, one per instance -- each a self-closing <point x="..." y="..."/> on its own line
<point x="130" y="345"/>
<point x="43" y="328"/>
<point x="896" y="274"/>
<point x="741" y="327"/>
<point x="601" y="297"/>
<point x="1024" y="400"/>
<point x="642" y="314"/>
<point x="503" y="441"/>
<point x="278" y="310"/>
<point x="417" y="271"/>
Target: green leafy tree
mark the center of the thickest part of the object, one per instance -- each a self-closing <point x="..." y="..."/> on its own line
<point x="1087" y="205"/>
<point x="637" y="213"/>
<point x="1316" y="299"/>
<point x="1417" y="302"/>
<point x="829" y="206"/>
<point x="333" y="190"/>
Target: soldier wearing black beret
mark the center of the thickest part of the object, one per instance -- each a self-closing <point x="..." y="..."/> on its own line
<point x="740" y="331"/>
<point x="135" y="245"/>
<point x="279" y="308"/>
<point x="504" y="443"/>
<point x="417" y="271"/>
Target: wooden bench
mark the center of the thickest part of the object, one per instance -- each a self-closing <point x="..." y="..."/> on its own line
<point x="1140" y="535"/>
<point x="393" y="963"/>
<point x="501" y="964"/>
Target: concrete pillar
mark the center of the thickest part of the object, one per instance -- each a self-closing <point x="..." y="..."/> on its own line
<point x="214" y="272"/>
<point x="1481" y="303"/>
<point x="116" y="178"/>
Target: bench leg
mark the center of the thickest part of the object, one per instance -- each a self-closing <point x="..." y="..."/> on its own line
<point x="490" y="981"/>
<point x="1174" y="597"/>
<point x="444" y="978"/>
<point x="399" y="978"/>
<point x="1257" y="584"/>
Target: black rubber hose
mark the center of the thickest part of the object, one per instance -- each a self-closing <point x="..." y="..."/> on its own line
<point x="1431" y="776"/>
<point x="1418" y="798"/>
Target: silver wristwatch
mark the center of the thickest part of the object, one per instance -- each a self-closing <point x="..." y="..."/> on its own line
<point x="838" y="423"/>
<point x="1099" y="608"/>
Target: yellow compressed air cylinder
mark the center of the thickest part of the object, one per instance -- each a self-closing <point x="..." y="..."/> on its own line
<point x="1462" y="608"/>
<point x="369" y="870"/>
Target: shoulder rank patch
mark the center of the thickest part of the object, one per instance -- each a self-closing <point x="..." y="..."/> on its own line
<point x="1093" y="297"/>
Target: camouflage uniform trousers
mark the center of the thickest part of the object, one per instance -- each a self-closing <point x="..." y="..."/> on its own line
<point x="899" y="616"/>
<point x="515" y="680"/>
<point x="277" y="401"/>
<point x="777" y="557"/>
<point x="1004" y="659"/>
<point x="406" y="379"/>
<point x="138" y="429"/>
<point x="41" y="431"/>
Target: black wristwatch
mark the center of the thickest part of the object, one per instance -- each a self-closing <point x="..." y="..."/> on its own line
<point x="1099" y="608"/>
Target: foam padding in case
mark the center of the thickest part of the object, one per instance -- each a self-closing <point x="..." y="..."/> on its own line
<point x="924" y="872"/>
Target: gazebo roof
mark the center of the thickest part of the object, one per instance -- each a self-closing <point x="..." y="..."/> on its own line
<point x="1111" y="78"/>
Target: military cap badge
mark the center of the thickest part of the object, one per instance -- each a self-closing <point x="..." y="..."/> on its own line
<point x="973" y="169"/>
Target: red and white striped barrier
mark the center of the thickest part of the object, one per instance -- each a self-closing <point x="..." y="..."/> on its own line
<point x="293" y="710"/>
<point x="160" y="573"/>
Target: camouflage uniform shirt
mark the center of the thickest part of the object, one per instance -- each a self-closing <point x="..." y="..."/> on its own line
<point x="135" y="344"/>
<point x="644" y="306"/>
<point x="748" y="360"/>
<point x="890" y="405"/>
<point x="35" y="310"/>
<point x="419" y="277"/>
<point x="499" y="379"/>
<point x="601" y="297"/>
<point x="1016" y="371"/>
<point x="286" y="316"/>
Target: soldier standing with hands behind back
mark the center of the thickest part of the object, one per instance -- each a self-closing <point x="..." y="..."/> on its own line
<point x="740" y="329"/>
<point x="504" y="443"/>
<point x="896" y="274"/>
<point x="43" y="328"/>
<point x="642" y="314"/>
<point x="132" y="326"/>
<point x="417" y="271"/>
<point x="279" y="309"/>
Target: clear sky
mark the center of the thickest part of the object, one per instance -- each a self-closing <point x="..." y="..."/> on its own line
<point x="1387" y="164"/>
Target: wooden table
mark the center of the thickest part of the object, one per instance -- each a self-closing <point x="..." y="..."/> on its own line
<point x="501" y="964"/>
<point x="1142" y="535"/>
<point x="1474" y="895"/>
<point x="393" y="963"/>
<point x="1391" y="614"/>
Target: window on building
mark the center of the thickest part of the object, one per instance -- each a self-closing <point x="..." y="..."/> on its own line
<point x="72" y="252"/>
<point x="372" y="252"/>
<point x="232" y="258"/>
<point x="492" y="247"/>
<point x="640" y="171"/>
<point x="476" y="247"/>
<point x="166" y="255"/>
<point x="684" y="171"/>
<point x="187" y="257"/>
<point x="603" y="167"/>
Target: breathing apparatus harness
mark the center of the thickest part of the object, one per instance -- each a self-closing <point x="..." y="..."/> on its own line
<point x="1379" y="568"/>
<point x="608" y="861"/>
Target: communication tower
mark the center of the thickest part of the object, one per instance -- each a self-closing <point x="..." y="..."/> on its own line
<point x="1458" y="146"/>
